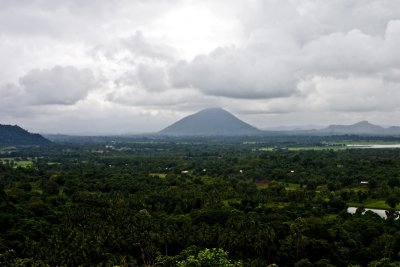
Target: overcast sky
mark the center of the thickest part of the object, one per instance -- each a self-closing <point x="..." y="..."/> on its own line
<point x="131" y="66"/>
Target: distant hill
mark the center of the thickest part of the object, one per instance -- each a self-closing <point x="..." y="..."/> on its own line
<point x="208" y="122"/>
<point x="361" y="128"/>
<point x="16" y="136"/>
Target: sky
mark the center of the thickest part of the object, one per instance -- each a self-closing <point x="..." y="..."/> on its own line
<point x="136" y="66"/>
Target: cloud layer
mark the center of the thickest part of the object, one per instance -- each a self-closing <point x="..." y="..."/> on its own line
<point x="59" y="85"/>
<point x="148" y="63"/>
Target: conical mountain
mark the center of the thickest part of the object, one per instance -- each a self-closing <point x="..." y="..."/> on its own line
<point x="213" y="121"/>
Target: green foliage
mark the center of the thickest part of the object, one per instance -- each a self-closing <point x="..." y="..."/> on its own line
<point x="385" y="262"/>
<point x="108" y="204"/>
<point x="207" y="258"/>
<point x="392" y="201"/>
<point x="303" y="263"/>
<point x="50" y="187"/>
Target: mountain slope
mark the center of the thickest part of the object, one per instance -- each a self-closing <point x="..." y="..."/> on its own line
<point x="214" y="121"/>
<point x="16" y="136"/>
<point x="363" y="128"/>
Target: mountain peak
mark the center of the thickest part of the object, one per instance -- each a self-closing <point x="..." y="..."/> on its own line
<point x="363" y="123"/>
<point x="212" y="110"/>
<point x="210" y="121"/>
<point x="361" y="127"/>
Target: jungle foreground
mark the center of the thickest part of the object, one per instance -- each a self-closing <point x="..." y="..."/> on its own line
<point x="236" y="201"/>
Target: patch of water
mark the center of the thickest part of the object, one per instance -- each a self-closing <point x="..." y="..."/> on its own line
<point x="381" y="213"/>
<point x="374" y="146"/>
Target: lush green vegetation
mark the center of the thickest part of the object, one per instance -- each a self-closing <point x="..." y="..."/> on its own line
<point x="17" y="162"/>
<point x="198" y="202"/>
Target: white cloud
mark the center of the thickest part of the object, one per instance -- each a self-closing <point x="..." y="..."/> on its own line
<point x="298" y="59"/>
<point x="172" y="99"/>
<point x="236" y="73"/>
<point x="352" y="94"/>
<point x="152" y="78"/>
<point x="141" y="47"/>
<point x="59" y="85"/>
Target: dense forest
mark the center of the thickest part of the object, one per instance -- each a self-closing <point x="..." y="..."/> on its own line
<point x="199" y="202"/>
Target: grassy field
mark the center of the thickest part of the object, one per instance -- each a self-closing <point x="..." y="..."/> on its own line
<point x="53" y="163"/>
<point x="336" y="148"/>
<point x="369" y="203"/>
<point x="303" y="148"/>
<point x="372" y="204"/>
<point x="7" y="150"/>
<point x="363" y="142"/>
<point x="291" y="186"/>
<point x="359" y="188"/>
<point x="23" y="163"/>
<point x="266" y="149"/>
<point x="279" y="205"/>
<point x="330" y="217"/>
<point x="288" y="186"/>
<point x="160" y="175"/>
